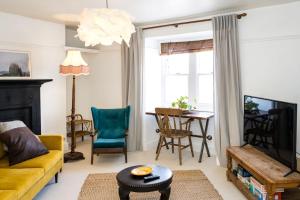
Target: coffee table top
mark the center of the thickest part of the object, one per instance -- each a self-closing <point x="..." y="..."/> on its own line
<point x="136" y="184"/>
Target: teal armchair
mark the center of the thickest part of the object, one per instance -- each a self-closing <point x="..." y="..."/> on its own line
<point x="110" y="127"/>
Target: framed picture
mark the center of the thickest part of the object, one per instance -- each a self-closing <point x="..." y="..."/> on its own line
<point x="14" y="64"/>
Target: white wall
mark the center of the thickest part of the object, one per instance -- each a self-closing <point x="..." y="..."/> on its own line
<point x="45" y="41"/>
<point x="102" y="88"/>
<point x="270" y="53"/>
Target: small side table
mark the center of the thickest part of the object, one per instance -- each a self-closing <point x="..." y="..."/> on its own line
<point x="85" y="125"/>
<point x="129" y="183"/>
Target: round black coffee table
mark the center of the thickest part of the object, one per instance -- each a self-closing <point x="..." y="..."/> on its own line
<point x="130" y="183"/>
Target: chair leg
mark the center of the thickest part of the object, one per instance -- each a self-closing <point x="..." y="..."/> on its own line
<point x="160" y="144"/>
<point x="179" y="151"/>
<point x="82" y="138"/>
<point x="125" y="153"/>
<point x="56" y="177"/>
<point x="166" y="142"/>
<point x="172" y="140"/>
<point x="191" y="146"/>
<point x="92" y="158"/>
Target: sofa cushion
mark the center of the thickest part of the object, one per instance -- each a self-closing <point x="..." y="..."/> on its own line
<point x="8" y="194"/>
<point x="22" y="144"/>
<point x="20" y="180"/>
<point x="4" y="162"/>
<point x="109" y="143"/>
<point x="46" y="161"/>
<point x="2" y="152"/>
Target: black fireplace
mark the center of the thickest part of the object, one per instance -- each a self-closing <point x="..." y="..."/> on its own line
<point x="20" y="100"/>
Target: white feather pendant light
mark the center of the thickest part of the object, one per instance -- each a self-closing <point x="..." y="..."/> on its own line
<point x="104" y="26"/>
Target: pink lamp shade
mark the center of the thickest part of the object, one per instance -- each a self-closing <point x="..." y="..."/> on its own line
<point x="74" y="64"/>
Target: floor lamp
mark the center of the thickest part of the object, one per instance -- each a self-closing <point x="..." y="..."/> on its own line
<point x="73" y="65"/>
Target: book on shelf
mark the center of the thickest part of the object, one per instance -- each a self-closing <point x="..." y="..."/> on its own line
<point x="260" y="190"/>
<point x="254" y="186"/>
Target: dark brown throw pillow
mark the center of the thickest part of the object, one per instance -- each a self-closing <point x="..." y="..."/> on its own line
<point x="21" y="143"/>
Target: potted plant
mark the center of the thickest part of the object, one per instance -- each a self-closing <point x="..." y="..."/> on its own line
<point x="181" y="102"/>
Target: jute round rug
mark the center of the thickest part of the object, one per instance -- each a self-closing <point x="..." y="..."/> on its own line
<point x="189" y="185"/>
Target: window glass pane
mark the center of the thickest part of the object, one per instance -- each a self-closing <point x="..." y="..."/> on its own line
<point x="176" y="86"/>
<point x="178" y="63"/>
<point x="205" y="62"/>
<point x="205" y="89"/>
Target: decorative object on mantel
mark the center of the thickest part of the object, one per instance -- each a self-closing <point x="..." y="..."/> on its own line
<point x="73" y="65"/>
<point x="105" y="26"/>
<point x="14" y="64"/>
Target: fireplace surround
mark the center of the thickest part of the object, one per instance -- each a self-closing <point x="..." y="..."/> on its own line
<point x="20" y="100"/>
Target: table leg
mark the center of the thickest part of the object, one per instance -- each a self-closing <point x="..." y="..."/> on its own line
<point x="204" y="141"/>
<point x="165" y="193"/>
<point x="229" y="165"/>
<point x="271" y="192"/>
<point x="123" y="194"/>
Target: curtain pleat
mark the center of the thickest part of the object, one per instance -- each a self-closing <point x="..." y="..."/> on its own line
<point x="228" y="101"/>
<point x="132" y="87"/>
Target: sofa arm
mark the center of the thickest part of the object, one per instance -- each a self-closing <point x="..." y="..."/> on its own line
<point x="53" y="142"/>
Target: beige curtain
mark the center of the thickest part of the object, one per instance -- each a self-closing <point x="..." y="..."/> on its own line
<point x="132" y="59"/>
<point x="228" y="109"/>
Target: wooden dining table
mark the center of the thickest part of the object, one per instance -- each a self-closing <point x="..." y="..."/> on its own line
<point x="203" y="118"/>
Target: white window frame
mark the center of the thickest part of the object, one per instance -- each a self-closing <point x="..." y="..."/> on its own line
<point x="193" y="82"/>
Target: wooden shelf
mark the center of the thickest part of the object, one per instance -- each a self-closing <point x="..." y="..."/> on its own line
<point x="240" y="186"/>
<point x="265" y="169"/>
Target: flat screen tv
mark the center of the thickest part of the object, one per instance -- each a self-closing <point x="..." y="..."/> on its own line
<point x="270" y="126"/>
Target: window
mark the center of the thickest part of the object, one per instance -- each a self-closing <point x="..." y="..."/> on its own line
<point x="188" y="74"/>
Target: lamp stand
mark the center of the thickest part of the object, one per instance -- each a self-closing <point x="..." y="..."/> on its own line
<point x="73" y="155"/>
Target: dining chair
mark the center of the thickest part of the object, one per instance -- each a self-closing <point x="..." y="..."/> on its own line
<point x="110" y="127"/>
<point x="171" y="127"/>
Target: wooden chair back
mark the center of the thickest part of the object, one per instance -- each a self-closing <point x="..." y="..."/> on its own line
<point x="169" y="120"/>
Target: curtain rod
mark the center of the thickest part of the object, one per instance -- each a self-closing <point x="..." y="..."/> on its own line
<point x="239" y="16"/>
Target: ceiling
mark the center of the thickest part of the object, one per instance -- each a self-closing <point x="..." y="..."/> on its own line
<point x="142" y="11"/>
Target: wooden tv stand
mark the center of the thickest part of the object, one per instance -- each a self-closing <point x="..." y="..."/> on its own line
<point x="265" y="169"/>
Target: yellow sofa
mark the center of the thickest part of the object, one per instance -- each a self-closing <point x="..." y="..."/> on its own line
<point x="24" y="180"/>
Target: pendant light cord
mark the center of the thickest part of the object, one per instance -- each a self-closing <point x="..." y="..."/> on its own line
<point x="106" y="3"/>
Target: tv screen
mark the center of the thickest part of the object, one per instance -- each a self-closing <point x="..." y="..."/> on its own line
<point x="270" y="126"/>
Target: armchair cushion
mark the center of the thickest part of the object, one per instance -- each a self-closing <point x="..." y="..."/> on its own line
<point x="111" y="133"/>
<point x="109" y="143"/>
